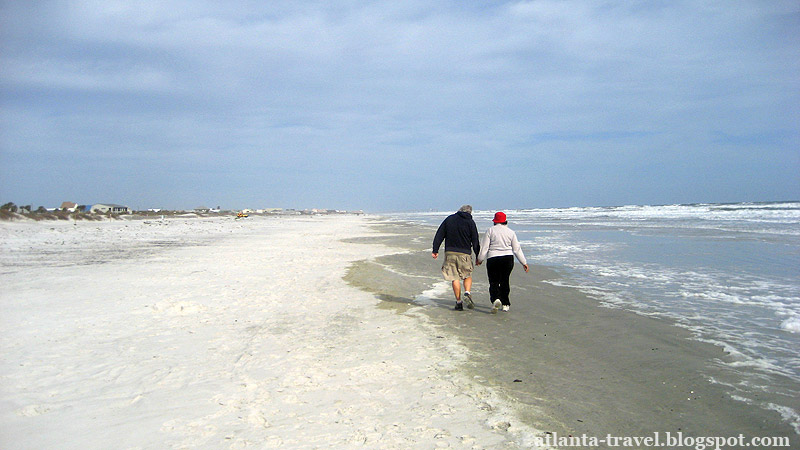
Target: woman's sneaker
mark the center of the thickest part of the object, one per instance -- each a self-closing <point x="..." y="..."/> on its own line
<point x="496" y="305"/>
<point x="506" y="307"/>
<point x="470" y="303"/>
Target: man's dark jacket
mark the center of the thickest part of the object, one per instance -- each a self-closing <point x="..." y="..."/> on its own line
<point x="459" y="233"/>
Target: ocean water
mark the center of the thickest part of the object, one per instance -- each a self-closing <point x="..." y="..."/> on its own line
<point x="729" y="273"/>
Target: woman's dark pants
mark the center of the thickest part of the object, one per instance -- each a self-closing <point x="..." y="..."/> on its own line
<point x="499" y="270"/>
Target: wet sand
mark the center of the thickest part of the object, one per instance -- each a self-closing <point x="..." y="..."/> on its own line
<point x="566" y="364"/>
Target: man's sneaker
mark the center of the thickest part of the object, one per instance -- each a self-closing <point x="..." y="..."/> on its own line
<point x="506" y="307"/>
<point x="470" y="303"/>
<point x="496" y="305"/>
<point x="459" y="306"/>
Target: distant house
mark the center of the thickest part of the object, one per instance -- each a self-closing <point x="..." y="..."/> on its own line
<point x="105" y="208"/>
<point x="202" y="209"/>
<point x="69" y="206"/>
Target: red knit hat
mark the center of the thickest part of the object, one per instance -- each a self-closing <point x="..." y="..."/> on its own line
<point x="499" y="217"/>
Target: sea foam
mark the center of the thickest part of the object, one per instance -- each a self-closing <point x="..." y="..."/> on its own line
<point x="791" y="324"/>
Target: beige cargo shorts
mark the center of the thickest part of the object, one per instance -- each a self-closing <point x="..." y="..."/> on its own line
<point x="457" y="266"/>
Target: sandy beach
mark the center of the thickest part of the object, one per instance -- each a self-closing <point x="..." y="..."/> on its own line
<point x="323" y="332"/>
<point x="222" y="333"/>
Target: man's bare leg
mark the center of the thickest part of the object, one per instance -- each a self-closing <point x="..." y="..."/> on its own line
<point x="468" y="284"/>
<point x="457" y="290"/>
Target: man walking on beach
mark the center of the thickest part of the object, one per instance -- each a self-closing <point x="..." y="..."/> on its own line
<point x="460" y="236"/>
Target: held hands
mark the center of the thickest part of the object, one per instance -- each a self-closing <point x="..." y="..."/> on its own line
<point x="478" y="262"/>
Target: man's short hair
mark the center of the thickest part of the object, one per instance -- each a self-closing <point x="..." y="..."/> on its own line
<point x="466" y="209"/>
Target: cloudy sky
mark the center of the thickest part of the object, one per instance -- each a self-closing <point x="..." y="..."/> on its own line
<point x="399" y="105"/>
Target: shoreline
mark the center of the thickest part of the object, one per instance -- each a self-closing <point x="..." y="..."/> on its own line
<point x="567" y="364"/>
<point x="217" y="334"/>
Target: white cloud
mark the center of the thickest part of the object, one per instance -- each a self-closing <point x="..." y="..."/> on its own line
<point x="86" y="75"/>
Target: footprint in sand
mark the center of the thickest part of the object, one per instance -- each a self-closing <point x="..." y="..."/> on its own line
<point x="273" y="442"/>
<point x="257" y="418"/>
<point x="33" y="410"/>
<point x="177" y="308"/>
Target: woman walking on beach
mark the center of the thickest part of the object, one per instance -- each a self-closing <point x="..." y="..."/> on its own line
<point x="500" y="245"/>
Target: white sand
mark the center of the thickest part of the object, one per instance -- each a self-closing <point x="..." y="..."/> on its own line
<point x="251" y="339"/>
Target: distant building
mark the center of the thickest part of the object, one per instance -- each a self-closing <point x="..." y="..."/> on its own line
<point x="105" y="208"/>
<point x="69" y="206"/>
<point x="202" y="209"/>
